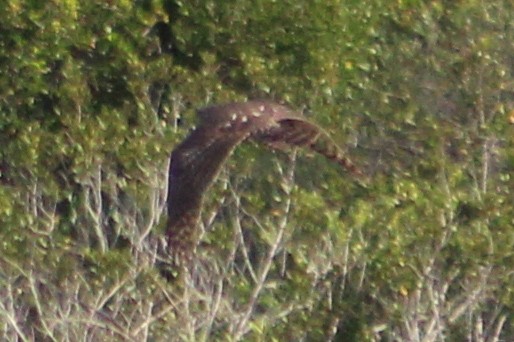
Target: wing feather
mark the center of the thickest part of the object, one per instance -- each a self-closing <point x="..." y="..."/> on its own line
<point x="194" y="166"/>
<point x="196" y="162"/>
<point x="301" y="133"/>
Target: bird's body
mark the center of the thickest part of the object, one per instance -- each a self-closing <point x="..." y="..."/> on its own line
<point x="196" y="162"/>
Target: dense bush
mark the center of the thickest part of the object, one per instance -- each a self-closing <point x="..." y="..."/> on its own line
<point x="95" y="95"/>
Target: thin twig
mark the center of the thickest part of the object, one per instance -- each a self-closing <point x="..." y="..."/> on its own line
<point x="265" y="268"/>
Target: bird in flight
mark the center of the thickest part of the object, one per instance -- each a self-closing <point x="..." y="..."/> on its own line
<point x="196" y="162"/>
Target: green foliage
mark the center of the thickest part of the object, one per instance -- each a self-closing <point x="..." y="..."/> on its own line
<point x="92" y="103"/>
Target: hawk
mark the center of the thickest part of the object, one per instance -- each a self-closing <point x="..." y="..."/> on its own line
<point x="196" y="162"/>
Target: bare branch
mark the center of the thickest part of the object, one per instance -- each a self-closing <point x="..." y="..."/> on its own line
<point x="288" y="183"/>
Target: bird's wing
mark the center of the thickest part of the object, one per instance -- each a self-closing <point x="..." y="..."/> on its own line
<point x="296" y="131"/>
<point x="195" y="163"/>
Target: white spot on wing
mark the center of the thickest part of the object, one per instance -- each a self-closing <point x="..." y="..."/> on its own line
<point x="234" y="117"/>
<point x="256" y="114"/>
<point x="262" y="108"/>
<point x="244" y="118"/>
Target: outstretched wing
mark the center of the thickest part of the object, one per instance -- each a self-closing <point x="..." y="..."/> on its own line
<point x="194" y="165"/>
<point x="196" y="162"/>
<point x="299" y="132"/>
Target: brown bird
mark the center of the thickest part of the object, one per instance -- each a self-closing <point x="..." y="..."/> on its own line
<point x="196" y="162"/>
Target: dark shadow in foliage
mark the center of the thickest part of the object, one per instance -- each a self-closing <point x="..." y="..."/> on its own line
<point x="230" y="69"/>
<point x="168" y="45"/>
